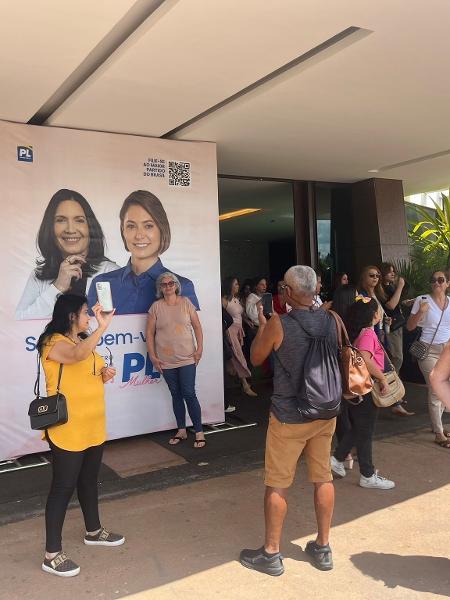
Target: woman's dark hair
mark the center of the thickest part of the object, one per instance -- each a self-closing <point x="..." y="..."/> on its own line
<point x="48" y="267"/>
<point x="386" y="269"/>
<point x="151" y="204"/>
<point x="444" y="271"/>
<point x="256" y="280"/>
<point x="359" y="315"/>
<point x="338" y="278"/>
<point x="246" y="283"/>
<point x="65" y="307"/>
<point x="227" y="284"/>
<point x="343" y="297"/>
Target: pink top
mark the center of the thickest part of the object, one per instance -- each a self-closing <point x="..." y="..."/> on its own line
<point x="174" y="338"/>
<point x="235" y="309"/>
<point x="368" y="341"/>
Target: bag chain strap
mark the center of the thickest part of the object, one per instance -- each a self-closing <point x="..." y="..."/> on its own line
<point x="38" y="376"/>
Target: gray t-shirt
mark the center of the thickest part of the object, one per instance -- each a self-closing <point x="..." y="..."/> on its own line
<point x="292" y="354"/>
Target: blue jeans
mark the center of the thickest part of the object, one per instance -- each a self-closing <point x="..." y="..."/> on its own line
<point x="181" y="383"/>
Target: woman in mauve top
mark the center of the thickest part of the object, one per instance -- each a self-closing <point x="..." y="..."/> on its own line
<point x="172" y="320"/>
<point x="237" y="365"/>
<point x="361" y="318"/>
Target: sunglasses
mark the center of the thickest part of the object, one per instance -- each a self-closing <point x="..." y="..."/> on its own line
<point x="168" y="284"/>
<point x="374" y="275"/>
<point x="108" y="361"/>
<point x="439" y="280"/>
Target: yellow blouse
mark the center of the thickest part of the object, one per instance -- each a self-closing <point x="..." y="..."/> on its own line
<point x="84" y="392"/>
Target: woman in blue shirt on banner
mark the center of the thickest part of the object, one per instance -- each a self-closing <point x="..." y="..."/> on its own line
<point x="145" y="233"/>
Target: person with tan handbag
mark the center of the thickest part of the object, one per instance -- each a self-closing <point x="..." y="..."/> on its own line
<point x="361" y="318"/>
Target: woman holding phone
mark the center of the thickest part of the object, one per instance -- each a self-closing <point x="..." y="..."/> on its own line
<point x="72" y="247"/>
<point x="77" y="445"/>
<point x="431" y="312"/>
<point x="145" y="232"/>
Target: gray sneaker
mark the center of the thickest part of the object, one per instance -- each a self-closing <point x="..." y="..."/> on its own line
<point x="104" y="538"/>
<point x="259" y="560"/>
<point x="321" y="556"/>
<point x="61" y="565"/>
<point x="376" y="482"/>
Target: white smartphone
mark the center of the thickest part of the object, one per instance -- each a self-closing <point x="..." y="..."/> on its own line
<point x="104" y="295"/>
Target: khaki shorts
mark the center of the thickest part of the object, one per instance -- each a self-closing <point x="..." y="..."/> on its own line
<point x="286" y="442"/>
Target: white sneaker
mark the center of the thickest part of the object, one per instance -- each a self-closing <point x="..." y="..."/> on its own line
<point x="337" y="467"/>
<point x="376" y="482"/>
<point x="230" y="409"/>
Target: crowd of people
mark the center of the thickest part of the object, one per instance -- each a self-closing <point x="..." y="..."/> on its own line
<point x="364" y="309"/>
<point x="258" y="328"/>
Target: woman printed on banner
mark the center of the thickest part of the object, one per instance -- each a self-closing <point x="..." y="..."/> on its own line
<point x="72" y="249"/>
<point x="145" y="232"/>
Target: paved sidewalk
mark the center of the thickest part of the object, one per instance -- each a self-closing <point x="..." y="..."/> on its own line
<point x="183" y="542"/>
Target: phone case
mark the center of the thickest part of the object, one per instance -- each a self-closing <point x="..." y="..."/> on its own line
<point x="104" y="295"/>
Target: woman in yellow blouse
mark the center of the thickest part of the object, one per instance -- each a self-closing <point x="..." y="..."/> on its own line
<point x="77" y="446"/>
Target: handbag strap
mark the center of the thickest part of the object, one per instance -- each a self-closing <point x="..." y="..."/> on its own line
<point x="388" y="359"/>
<point x="343" y="339"/>
<point x="440" y="320"/>
<point x="38" y="376"/>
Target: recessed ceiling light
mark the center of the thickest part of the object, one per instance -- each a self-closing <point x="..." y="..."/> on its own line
<point x="237" y="213"/>
<point x="373" y="171"/>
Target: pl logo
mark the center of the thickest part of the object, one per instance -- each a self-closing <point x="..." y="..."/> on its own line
<point x="25" y="153"/>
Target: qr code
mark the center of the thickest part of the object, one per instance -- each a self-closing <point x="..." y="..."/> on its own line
<point x="179" y="173"/>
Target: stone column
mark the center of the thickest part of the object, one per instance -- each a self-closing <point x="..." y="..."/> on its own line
<point x="379" y="222"/>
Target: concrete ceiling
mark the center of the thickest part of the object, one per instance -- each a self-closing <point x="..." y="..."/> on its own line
<point x="375" y="100"/>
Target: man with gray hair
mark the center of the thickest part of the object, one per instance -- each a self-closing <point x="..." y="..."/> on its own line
<point x="289" y="434"/>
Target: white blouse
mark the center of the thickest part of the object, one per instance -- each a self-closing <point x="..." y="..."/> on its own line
<point x="39" y="296"/>
<point x="430" y="320"/>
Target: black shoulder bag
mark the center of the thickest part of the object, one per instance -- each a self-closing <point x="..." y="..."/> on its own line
<point x="420" y="350"/>
<point x="45" y="412"/>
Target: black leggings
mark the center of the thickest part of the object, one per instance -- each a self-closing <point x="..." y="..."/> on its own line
<point x="362" y="419"/>
<point x="72" y="470"/>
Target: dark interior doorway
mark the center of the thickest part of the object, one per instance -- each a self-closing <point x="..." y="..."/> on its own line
<point x="261" y="242"/>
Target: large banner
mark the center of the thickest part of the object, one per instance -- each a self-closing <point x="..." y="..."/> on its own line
<point x="60" y="191"/>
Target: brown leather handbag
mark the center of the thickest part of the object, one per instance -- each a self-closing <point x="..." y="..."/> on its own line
<point x="356" y="380"/>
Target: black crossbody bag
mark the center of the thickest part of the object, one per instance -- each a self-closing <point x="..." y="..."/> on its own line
<point x="48" y="411"/>
<point x="420" y="350"/>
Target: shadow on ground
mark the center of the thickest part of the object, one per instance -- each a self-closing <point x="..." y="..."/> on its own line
<point x="419" y="573"/>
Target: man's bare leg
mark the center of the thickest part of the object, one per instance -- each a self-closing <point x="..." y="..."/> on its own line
<point x="275" y="509"/>
<point x="323" y="505"/>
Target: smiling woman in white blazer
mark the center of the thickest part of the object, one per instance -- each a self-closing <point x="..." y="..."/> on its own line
<point x="72" y="249"/>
